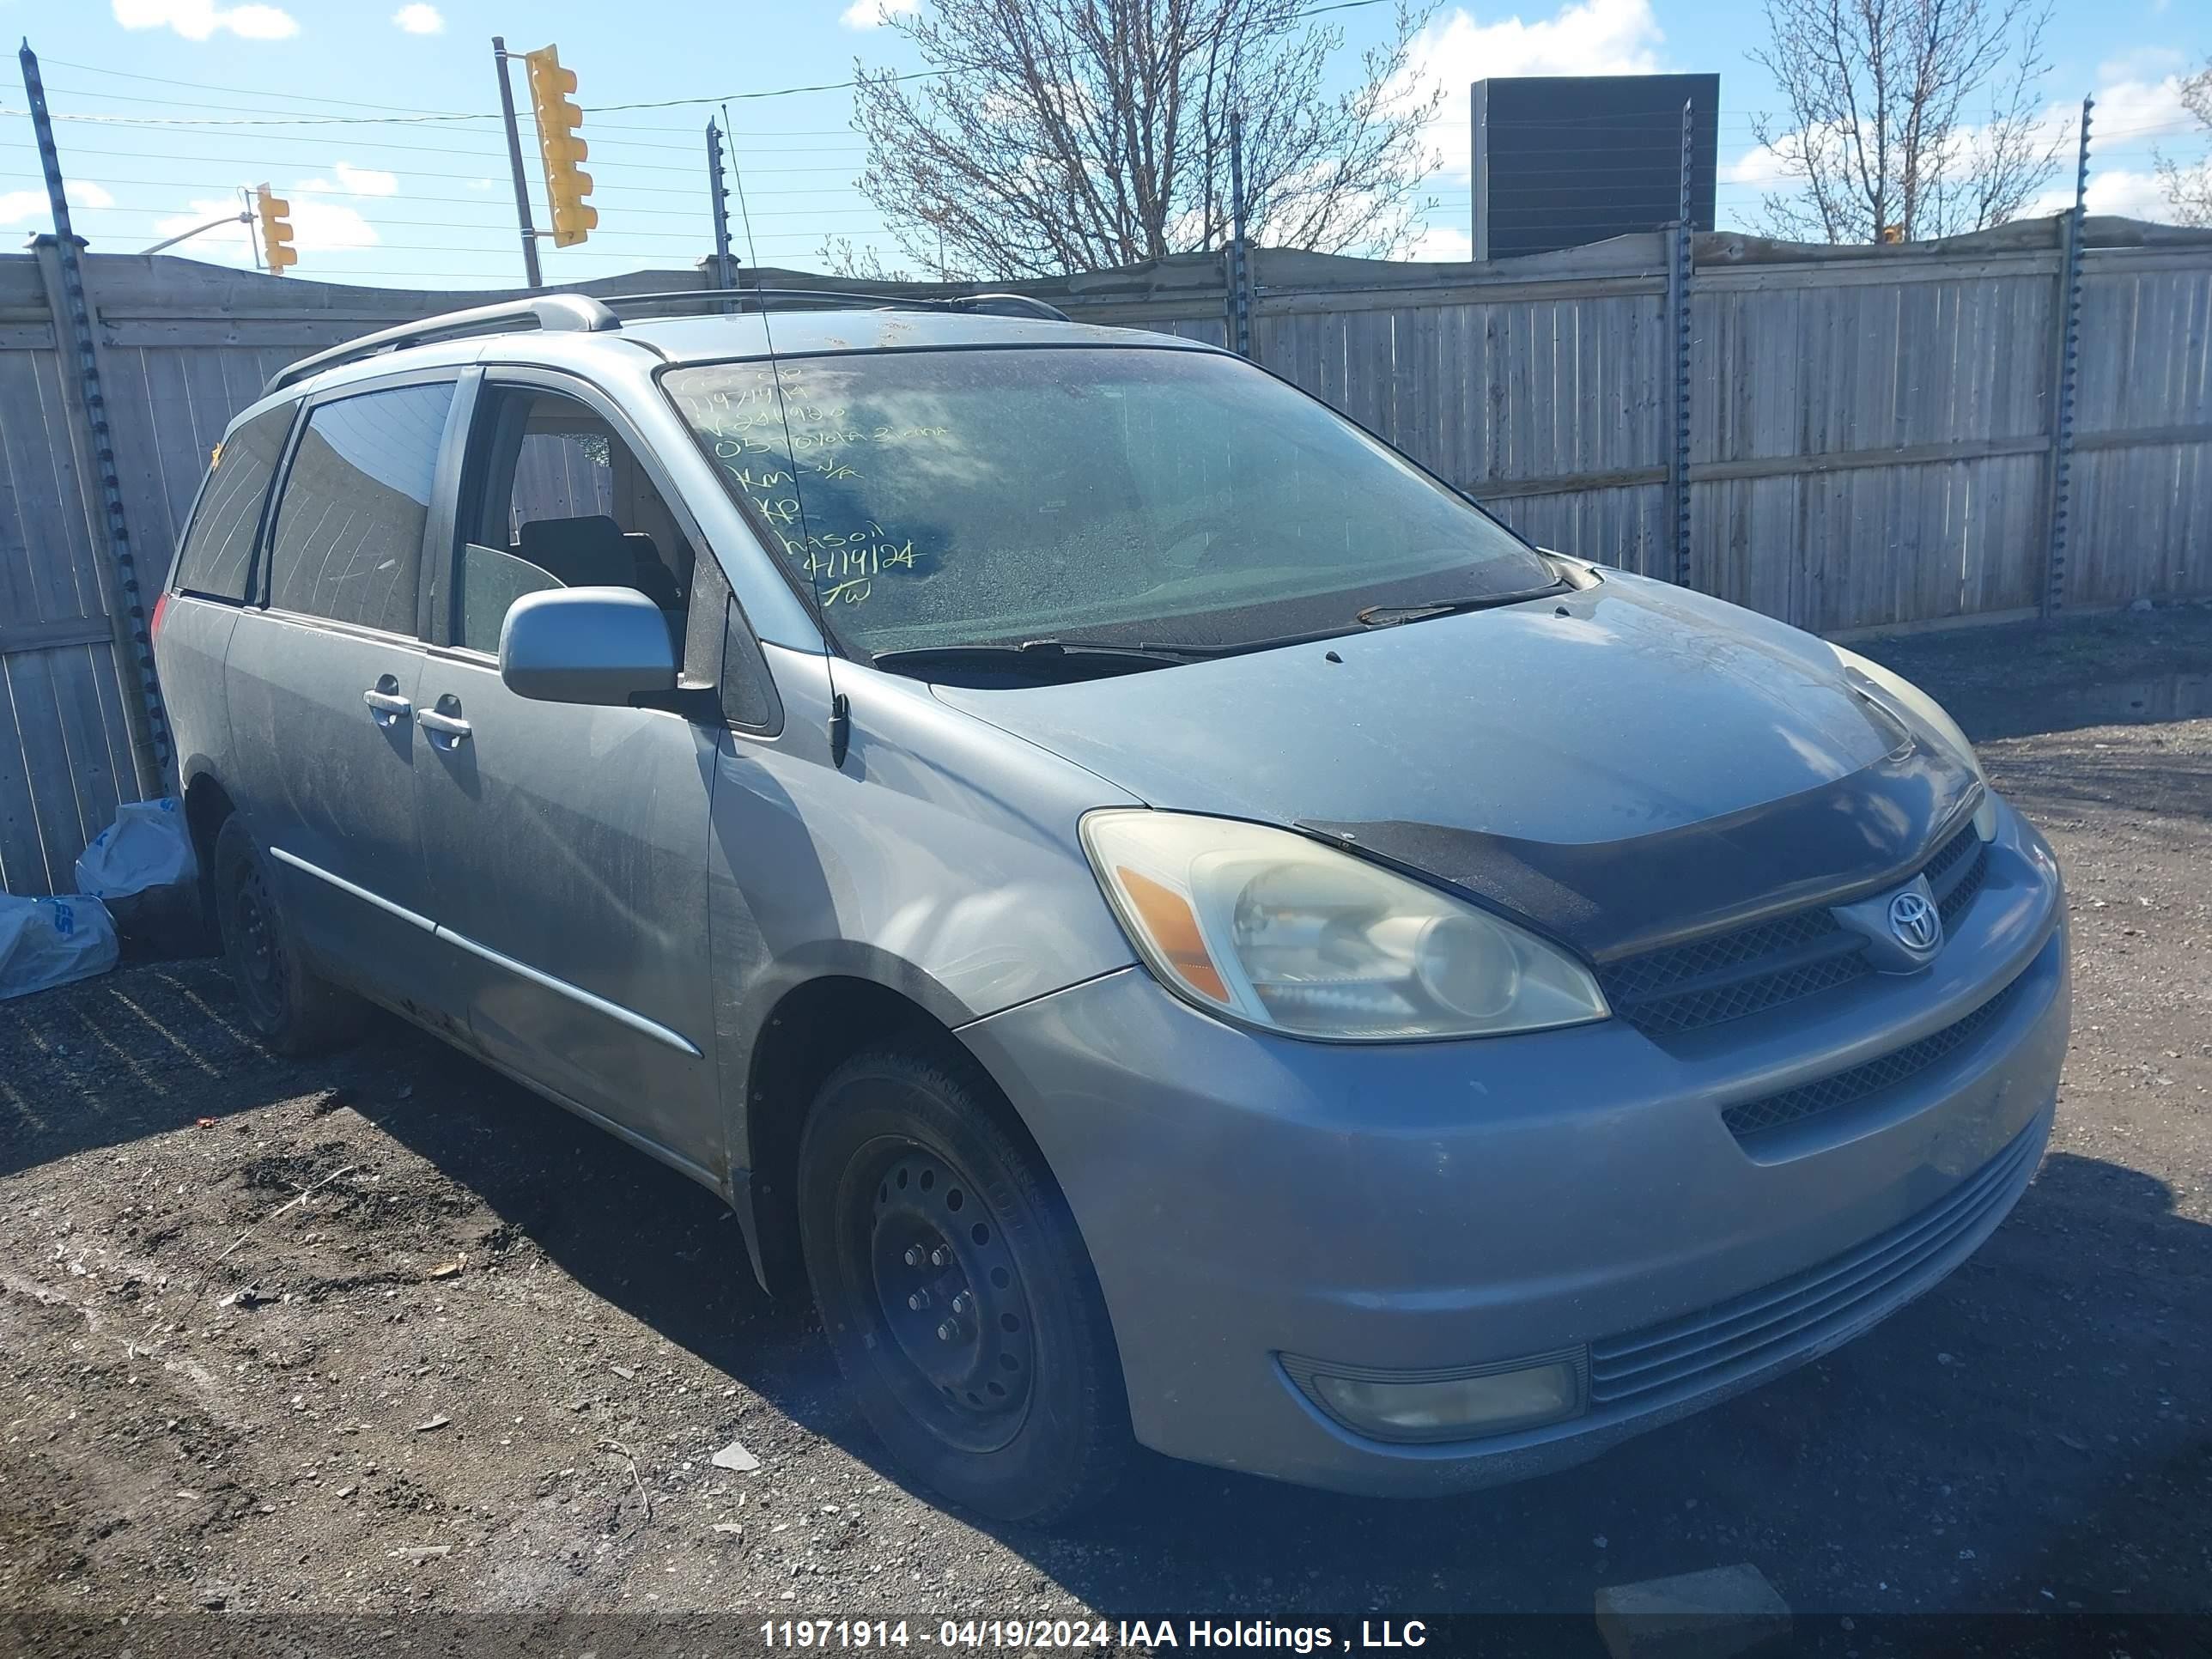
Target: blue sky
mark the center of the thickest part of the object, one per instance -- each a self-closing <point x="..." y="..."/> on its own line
<point x="193" y="98"/>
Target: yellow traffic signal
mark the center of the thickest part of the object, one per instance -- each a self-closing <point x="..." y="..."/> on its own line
<point x="566" y="183"/>
<point x="272" y="212"/>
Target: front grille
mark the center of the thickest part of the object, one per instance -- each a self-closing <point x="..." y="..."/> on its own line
<point x="1723" y="976"/>
<point x="1706" y="1350"/>
<point x="1965" y="880"/>
<point x="1754" y="1117"/>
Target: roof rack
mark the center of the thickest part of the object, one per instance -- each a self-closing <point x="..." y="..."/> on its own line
<point x="575" y="313"/>
<point x="580" y="314"/>
<point x="991" y="304"/>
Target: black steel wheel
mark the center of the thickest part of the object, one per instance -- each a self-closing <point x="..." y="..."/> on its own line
<point x="289" y="1008"/>
<point x="956" y="1292"/>
<point x="949" y="1291"/>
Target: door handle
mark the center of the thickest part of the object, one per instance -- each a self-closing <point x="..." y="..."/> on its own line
<point x="387" y="708"/>
<point x="449" y="726"/>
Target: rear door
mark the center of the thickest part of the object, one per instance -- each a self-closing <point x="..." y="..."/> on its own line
<point x="567" y="845"/>
<point x="322" y="679"/>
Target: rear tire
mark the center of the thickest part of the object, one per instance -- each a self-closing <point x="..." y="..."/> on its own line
<point x="956" y="1294"/>
<point x="289" y="1006"/>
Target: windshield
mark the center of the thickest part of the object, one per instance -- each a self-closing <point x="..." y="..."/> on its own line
<point x="935" y="499"/>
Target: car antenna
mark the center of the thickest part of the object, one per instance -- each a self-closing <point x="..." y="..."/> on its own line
<point x="840" y="711"/>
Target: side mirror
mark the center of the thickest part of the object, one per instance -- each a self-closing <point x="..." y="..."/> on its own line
<point x="595" y="645"/>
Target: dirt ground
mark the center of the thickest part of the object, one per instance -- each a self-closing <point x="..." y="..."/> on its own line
<point x="383" y="1334"/>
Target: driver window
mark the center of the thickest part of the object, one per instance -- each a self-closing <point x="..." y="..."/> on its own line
<point x="562" y="501"/>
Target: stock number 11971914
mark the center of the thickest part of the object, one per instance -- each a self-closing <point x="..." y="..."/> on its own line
<point x="861" y="1633"/>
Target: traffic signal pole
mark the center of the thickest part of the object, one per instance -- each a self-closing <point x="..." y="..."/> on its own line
<point x="514" y="161"/>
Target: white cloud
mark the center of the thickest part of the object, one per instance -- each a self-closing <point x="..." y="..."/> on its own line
<point x="367" y="181"/>
<point x="874" y="14"/>
<point x="351" y="182"/>
<point x="18" y="206"/>
<point x="1759" y="166"/>
<point x="197" y="20"/>
<point x="1596" y="37"/>
<point x="1443" y="242"/>
<point x="420" y="20"/>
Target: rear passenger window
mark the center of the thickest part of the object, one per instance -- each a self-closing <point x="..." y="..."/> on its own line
<point x="216" y="559"/>
<point x="349" y="538"/>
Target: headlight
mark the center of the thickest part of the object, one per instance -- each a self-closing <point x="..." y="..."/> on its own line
<point x="1281" y="931"/>
<point x="1986" y="816"/>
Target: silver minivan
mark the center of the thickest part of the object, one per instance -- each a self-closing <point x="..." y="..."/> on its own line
<point x="1178" y="926"/>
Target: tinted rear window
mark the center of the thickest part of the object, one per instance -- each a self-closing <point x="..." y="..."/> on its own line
<point x="349" y="538"/>
<point x="217" y="560"/>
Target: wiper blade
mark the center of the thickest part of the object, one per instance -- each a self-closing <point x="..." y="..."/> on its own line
<point x="1385" y="616"/>
<point x="1039" y="653"/>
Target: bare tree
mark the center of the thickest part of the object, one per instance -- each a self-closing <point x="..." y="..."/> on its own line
<point x="1915" y="117"/>
<point x="2189" y="188"/>
<point x="1081" y="135"/>
<point x="841" y="255"/>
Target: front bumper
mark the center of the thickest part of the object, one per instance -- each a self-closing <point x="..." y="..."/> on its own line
<point x="1450" y="1204"/>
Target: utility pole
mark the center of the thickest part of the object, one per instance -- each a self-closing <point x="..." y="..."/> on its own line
<point x="514" y="161"/>
<point x="717" y="198"/>
<point x="152" y="750"/>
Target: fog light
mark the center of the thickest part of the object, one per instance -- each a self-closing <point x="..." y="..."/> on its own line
<point x="1458" y="1404"/>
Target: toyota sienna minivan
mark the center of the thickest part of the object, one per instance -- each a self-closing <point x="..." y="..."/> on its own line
<point x="1180" y="929"/>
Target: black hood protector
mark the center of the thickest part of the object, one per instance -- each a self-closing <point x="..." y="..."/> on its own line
<point x="1862" y="832"/>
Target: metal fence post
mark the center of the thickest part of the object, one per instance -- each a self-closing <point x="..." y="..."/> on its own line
<point x="70" y="306"/>
<point x="1678" y="316"/>
<point x="1240" y="255"/>
<point x="717" y="198"/>
<point x="2067" y="378"/>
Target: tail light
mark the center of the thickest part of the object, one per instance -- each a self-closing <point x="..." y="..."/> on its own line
<point x="154" y="627"/>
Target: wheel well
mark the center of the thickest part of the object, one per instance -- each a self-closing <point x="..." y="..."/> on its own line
<point x="206" y="807"/>
<point x="816" y="1028"/>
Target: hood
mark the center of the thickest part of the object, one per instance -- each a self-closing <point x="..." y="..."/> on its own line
<point x="1617" y="766"/>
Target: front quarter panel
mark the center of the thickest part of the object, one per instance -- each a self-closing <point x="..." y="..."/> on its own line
<point x="941" y="861"/>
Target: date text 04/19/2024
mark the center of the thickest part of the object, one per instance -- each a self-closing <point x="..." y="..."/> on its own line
<point x="1023" y="1634"/>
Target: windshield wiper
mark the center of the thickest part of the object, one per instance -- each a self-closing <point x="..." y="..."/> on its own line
<point x="1389" y="615"/>
<point x="1081" y="654"/>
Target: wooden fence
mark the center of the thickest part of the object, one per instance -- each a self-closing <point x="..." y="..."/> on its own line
<point x="1871" y="436"/>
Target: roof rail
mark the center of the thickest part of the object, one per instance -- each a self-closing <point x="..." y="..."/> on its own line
<point x="995" y="304"/>
<point x="565" y="312"/>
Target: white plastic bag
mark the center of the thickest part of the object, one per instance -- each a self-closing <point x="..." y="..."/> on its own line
<point x="148" y="846"/>
<point x="45" y="942"/>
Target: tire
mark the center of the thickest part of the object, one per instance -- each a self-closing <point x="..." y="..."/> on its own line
<point x="289" y="1008"/>
<point x="1019" y="1413"/>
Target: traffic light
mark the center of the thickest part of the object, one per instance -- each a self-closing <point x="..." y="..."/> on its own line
<point x="272" y="213"/>
<point x="566" y="183"/>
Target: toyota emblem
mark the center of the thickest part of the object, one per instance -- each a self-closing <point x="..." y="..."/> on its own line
<point x="1915" y="921"/>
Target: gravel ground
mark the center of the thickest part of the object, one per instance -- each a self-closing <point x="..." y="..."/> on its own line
<point x="383" y="1333"/>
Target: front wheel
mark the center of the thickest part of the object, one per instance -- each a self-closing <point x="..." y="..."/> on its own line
<point x="956" y="1293"/>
